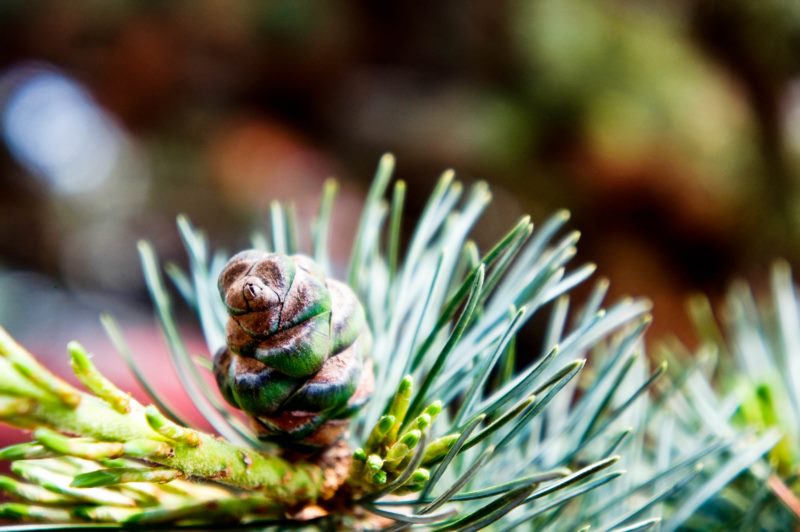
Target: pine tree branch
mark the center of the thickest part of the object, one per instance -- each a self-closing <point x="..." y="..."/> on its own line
<point x="49" y="401"/>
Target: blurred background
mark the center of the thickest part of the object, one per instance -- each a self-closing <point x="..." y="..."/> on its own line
<point x="670" y="129"/>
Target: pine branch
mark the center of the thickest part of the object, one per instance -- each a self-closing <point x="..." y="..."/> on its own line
<point x="451" y="432"/>
<point x="138" y="432"/>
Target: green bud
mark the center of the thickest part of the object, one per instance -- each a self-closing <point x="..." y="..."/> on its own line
<point x="25" y="451"/>
<point x="423" y="421"/>
<point x="15" y="511"/>
<point x="411" y="438"/>
<point x="438" y="448"/>
<point x="400" y="450"/>
<point x="411" y="487"/>
<point x="379" y="431"/>
<point x="396" y="453"/>
<point x="87" y="373"/>
<point x="434" y="409"/>
<point x="145" y="448"/>
<point x="359" y="455"/>
<point x="419" y="476"/>
<point x="400" y="404"/>
<point x="30" y="492"/>
<point x="406" y="386"/>
<point x="106" y="514"/>
<point x="110" y="477"/>
<point x="385" y="424"/>
<point x="15" y="407"/>
<point x="29" y="368"/>
<point x="77" y="446"/>
<point x="170" y="430"/>
<point x="380" y="477"/>
<point x="374" y="463"/>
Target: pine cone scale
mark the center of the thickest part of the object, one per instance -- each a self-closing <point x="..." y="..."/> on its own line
<point x="333" y="385"/>
<point x="299" y="351"/>
<point x="253" y="385"/>
<point x="348" y="320"/>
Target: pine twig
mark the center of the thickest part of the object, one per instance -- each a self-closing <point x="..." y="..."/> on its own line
<point x="140" y="432"/>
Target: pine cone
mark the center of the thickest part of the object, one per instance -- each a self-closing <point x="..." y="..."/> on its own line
<point x="297" y="359"/>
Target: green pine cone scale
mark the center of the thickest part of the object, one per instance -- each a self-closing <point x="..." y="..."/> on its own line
<point x="251" y="385"/>
<point x="348" y="321"/>
<point x="333" y="385"/>
<point x="299" y="351"/>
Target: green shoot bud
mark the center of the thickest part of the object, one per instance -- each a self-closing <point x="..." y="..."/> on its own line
<point x="13" y="510"/>
<point x="385" y="424"/>
<point x="395" y="455"/>
<point x="411" y="438"/>
<point x="419" y="476"/>
<point x="106" y="514"/>
<point x="14" y="407"/>
<point x="434" y="409"/>
<point x="411" y="487"/>
<point x="78" y="447"/>
<point x="25" y="451"/>
<point x="110" y="477"/>
<point x="438" y="448"/>
<point x="423" y="421"/>
<point x="400" y="404"/>
<point x="374" y="463"/>
<point x="379" y="432"/>
<point x="58" y="482"/>
<point x="170" y="430"/>
<point x="89" y="375"/>
<point x="27" y="366"/>
<point x="400" y="450"/>
<point x="30" y="492"/>
<point x="145" y="448"/>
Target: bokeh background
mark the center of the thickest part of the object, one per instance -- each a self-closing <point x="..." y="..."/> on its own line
<point x="670" y="129"/>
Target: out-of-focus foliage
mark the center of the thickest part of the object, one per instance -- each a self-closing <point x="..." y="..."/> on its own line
<point x="749" y="367"/>
<point x="679" y="115"/>
<point x="639" y="92"/>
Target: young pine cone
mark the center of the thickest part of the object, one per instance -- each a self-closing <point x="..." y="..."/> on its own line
<point x="297" y="359"/>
